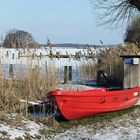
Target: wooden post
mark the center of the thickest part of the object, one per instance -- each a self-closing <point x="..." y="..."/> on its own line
<point x="58" y="55"/>
<point x="33" y="56"/>
<point x="11" y="70"/>
<point x="40" y="55"/>
<point x="70" y="73"/>
<point x="13" y="56"/>
<point x="19" y="55"/>
<point x="65" y="74"/>
<point x="7" y="53"/>
<point x="51" y="54"/>
<point x="76" y="55"/>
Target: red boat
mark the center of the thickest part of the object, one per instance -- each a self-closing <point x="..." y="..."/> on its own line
<point x="81" y="104"/>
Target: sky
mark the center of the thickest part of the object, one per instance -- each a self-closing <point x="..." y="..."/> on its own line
<point x="62" y="21"/>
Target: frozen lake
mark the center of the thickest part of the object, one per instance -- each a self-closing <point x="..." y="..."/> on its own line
<point x="21" y="59"/>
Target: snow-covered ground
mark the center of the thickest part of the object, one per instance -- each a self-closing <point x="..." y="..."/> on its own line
<point x="125" y="127"/>
<point x="107" y="133"/>
<point x="22" y="130"/>
<point x="29" y="129"/>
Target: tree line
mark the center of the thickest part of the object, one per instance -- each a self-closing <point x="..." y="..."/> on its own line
<point x="112" y="11"/>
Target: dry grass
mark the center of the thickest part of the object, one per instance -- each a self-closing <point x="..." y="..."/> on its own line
<point x="110" y="63"/>
<point x="88" y="71"/>
<point x="30" y="87"/>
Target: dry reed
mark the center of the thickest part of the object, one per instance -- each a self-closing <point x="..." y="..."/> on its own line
<point x="110" y="63"/>
<point x="31" y="86"/>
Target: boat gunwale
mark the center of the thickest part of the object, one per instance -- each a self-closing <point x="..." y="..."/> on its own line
<point x="94" y="92"/>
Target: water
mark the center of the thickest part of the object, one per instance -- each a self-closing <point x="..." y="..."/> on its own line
<point x="21" y="71"/>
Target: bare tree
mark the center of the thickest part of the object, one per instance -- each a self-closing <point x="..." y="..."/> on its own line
<point x="19" y="39"/>
<point x="135" y="3"/>
<point x="133" y="32"/>
<point x="117" y="11"/>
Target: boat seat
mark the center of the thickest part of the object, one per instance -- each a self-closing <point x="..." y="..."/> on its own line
<point x="104" y="89"/>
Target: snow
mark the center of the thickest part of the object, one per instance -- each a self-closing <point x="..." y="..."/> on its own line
<point x="33" y="127"/>
<point x="10" y="56"/>
<point x="103" y="134"/>
<point x="125" y="127"/>
<point x="81" y="132"/>
<point x="11" y="132"/>
<point x="28" y="128"/>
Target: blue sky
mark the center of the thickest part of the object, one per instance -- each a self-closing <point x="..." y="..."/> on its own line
<point x="62" y="21"/>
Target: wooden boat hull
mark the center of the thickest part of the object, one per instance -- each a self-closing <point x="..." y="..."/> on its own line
<point x="81" y="104"/>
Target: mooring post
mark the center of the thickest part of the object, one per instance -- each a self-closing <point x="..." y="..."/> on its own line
<point x="7" y="53"/>
<point x="58" y="55"/>
<point x="70" y="73"/>
<point x="51" y="54"/>
<point x="19" y="55"/>
<point x="65" y="74"/>
<point x="13" y="56"/>
<point x="33" y="56"/>
<point x="11" y="70"/>
<point x="40" y="55"/>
